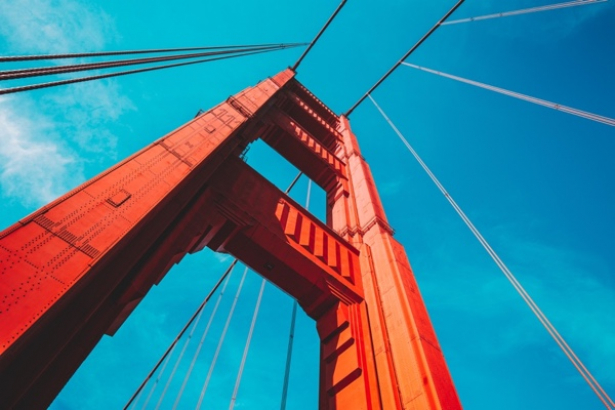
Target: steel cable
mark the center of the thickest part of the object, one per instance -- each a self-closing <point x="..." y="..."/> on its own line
<point x="125" y="52"/>
<point x="221" y="340"/>
<point x="54" y="70"/>
<point x="320" y="33"/>
<point x="155" y="384"/>
<point x="408" y="53"/>
<point x="534" y="100"/>
<point x="186" y="343"/>
<point x="170" y="349"/>
<point x="525" y="11"/>
<point x="122" y="73"/>
<point x="247" y="346"/>
<point x="559" y="340"/>
<point x="198" y="349"/>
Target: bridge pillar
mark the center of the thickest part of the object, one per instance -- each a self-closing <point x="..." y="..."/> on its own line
<point x="412" y="372"/>
<point x="76" y="268"/>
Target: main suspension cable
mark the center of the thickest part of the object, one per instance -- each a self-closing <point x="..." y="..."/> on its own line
<point x="121" y="73"/>
<point x="181" y="333"/>
<point x="408" y="53"/>
<point x="125" y="52"/>
<point x="534" y="100"/>
<point x="525" y="11"/>
<point x="586" y="374"/>
<point x="54" y="70"/>
<point x="322" y="30"/>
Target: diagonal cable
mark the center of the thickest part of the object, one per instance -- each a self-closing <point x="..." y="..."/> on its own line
<point x="587" y="376"/>
<point x="525" y="11"/>
<point x="534" y="100"/>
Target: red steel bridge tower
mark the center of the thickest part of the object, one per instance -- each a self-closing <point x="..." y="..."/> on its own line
<point x="75" y="269"/>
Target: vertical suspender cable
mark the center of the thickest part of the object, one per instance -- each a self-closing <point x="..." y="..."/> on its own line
<point x="198" y="349"/>
<point x="591" y="381"/>
<point x="186" y="343"/>
<point x="151" y="390"/>
<point x="179" y="359"/>
<point x="293" y="319"/>
<point x="170" y="349"/>
<point x="221" y="341"/>
<point x="247" y="347"/>
<point x="289" y="354"/>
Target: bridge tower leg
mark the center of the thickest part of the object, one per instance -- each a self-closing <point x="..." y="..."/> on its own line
<point x="75" y="269"/>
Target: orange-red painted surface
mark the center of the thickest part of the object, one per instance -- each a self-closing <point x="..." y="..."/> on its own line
<point x="75" y="269"/>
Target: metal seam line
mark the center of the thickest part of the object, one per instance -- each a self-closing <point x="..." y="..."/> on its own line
<point x="170" y="349"/>
<point x="412" y="49"/>
<point x="248" y="341"/>
<point x="538" y="101"/>
<point x="322" y="30"/>
<point x="221" y="340"/>
<point x="525" y="11"/>
<point x="125" y="52"/>
<point x="198" y="349"/>
<point x="293" y="318"/>
<point x="591" y="381"/>
<point x="73" y="68"/>
<point x="121" y="73"/>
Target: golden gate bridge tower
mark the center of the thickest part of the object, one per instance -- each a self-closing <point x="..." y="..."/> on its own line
<point x="75" y="269"/>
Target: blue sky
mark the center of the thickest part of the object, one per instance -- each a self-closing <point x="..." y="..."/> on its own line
<point x="538" y="183"/>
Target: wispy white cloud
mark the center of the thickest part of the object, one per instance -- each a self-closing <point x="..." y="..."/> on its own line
<point x="54" y="26"/>
<point x="568" y="285"/>
<point x="33" y="170"/>
<point x="87" y="110"/>
<point x="37" y="164"/>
